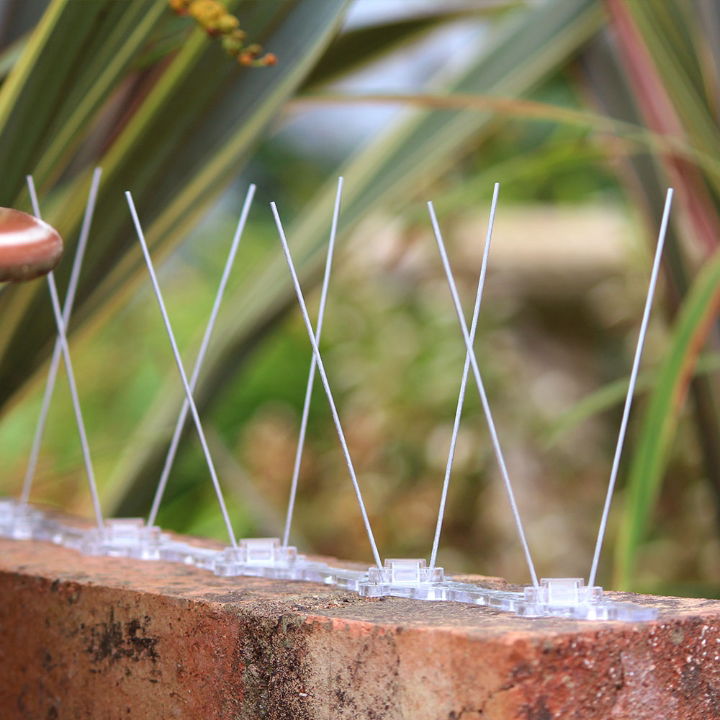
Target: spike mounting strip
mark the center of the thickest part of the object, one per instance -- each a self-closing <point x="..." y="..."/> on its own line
<point x="268" y="558"/>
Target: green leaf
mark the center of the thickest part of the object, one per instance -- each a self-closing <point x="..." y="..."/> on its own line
<point x="664" y="28"/>
<point x="694" y="321"/>
<point x="530" y="110"/>
<point x="358" y="47"/>
<point x="35" y="92"/>
<point x="175" y="155"/>
<point x="112" y="53"/>
<point x="9" y="56"/>
<point x="613" y="394"/>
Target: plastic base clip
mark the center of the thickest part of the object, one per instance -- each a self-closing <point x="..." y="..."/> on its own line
<point x="120" y="537"/>
<point x="21" y="521"/>
<point x="404" y="577"/>
<point x="259" y="557"/>
<point x="571" y="598"/>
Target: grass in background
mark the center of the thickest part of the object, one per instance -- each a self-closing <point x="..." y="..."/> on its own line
<point x="137" y="98"/>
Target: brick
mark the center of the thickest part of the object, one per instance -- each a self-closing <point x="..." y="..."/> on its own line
<point x="109" y="638"/>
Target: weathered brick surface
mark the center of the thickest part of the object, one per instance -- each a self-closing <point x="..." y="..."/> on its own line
<point x="108" y="639"/>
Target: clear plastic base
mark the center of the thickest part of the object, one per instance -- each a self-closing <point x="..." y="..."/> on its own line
<point x="186" y="554"/>
<point x="571" y="598"/>
<point x="19" y="520"/>
<point x="562" y="592"/>
<point x="119" y="537"/>
<point x="258" y="557"/>
<point x="404" y="577"/>
<point x="266" y="557"/>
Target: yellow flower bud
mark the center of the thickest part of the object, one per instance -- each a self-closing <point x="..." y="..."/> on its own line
<point x="206" y="12"/>
<point x="231" y="45"/>
<point x="227" y="23"/>
<point x="214" y="18"/>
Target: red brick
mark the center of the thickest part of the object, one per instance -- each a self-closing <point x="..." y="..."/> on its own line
<point x="108" y="639"/>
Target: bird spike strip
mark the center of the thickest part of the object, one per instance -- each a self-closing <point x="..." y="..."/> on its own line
<point x="268" y="558"/>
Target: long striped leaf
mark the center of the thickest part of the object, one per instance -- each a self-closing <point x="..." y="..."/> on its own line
<point x="694" y="321"/>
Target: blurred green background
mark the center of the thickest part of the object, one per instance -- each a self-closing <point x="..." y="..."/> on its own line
<point x="584" y="111"/>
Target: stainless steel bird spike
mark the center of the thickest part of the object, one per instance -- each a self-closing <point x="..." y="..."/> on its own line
<point x="181" y="370"/>
<point x="199" y="360"/>
<point x="313" y="367"/>
<point x="62" y="336"/>
<point x="483" y="397"/>
<point x="326" y="385"/>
